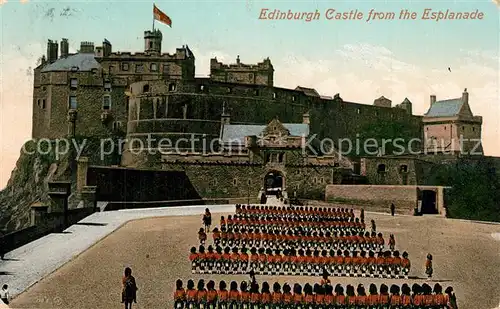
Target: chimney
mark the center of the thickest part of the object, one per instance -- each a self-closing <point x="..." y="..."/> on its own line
<point x="52" y="51"/>
<point x="64" y="48"/>
<point x="433" y="99"/>
<point x="106" y="48"/>
<point x="465" y="96"/>
<point x="86" y="48"/>
<point x="238" y="59"/>
<point x="305" y="118"/>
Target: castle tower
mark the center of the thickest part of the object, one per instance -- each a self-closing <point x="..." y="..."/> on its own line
<point x="152" y="41"/>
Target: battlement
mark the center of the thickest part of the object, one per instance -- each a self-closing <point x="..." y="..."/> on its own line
<point x="261" y="73"/>
<point x="238" y="66"/>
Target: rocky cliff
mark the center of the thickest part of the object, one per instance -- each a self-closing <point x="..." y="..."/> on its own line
<point x="29" y="180"/>
<point x="28" y="184"/>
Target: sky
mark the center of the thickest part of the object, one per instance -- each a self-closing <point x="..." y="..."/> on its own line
<point x="360" y="60"/>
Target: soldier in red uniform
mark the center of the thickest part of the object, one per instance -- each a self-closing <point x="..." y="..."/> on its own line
<point x="405" y="296"/>
<point x="340" y="298"/>
<point x="405" y="265"/>
<point x="193" y="258"/>
<point x="211" y="295"/>
<point x="277" y="296"/>
<point x="235" y="260"/>
<point x="380" y="264"/>
<point x="373" y="298"/>
<point x="234" y="295"/>
<point x="191" y="295"/>
<point x="201" y="295"/>
<point x="395" y="299"/>
<point x="226" y="260"/>
<point x="223" y="295"/>
<point x="179" y="295"/>
<point x="287" y="297"/>
<point x="298" y="298"/>
<point x="384" y="297"/>
<point x="244" y="295"/>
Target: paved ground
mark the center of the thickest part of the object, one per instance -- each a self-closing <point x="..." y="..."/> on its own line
<point x="466" y="256"/>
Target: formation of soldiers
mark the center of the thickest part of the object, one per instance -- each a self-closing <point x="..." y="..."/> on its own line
<point x="318" y="296"/>
<point x="299" y="262"/>
<point x="304" y="241"/>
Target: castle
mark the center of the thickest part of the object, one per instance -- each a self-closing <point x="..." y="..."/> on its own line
<point x="261" y="130"/>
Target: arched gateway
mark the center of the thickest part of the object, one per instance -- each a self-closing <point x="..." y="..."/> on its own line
<point x="273" y="183"/>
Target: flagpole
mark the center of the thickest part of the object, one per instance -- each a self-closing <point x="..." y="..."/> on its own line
<point x="153" y="18"/>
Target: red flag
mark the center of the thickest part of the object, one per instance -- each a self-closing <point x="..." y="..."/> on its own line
<point x="161" y="17"/>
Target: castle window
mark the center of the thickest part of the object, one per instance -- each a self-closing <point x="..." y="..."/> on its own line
<point x="381" y="168"/>
<point x="275" y="95"/>
<point x="249" y="182"/>
<point x="111" y="69"/>
<point x="107" y="86"/>
<point x="139" y="68"/>
<point x="235" y="181"/>
<point x="229" y="90"/>
<point x="322" y="180"/>
<point x="358" y="111"/>
<point x="445" y="128"/>
<point x="473" y="129"/>
<point x="202" y="87"/>
<point x="280" y="157"/>
<point x="72" y="103"/>
<point x="73" y="83"/>
<point x="154" y="67"/>
<point x="150" y="44"/>
<point x="145" y="88"/>
<point x="43" y="103"/>
<point x="106" y="102"/>
<point x="124" y="66"/>
<point x="376" y="113"/>
<point x="250" y="76"/>
<point x="403" y="169"/>
<point x="463" y="128"/>
<point x="38" y="102"/>
<point x="171" y="87"/>
<point x="256" y="92"/>
<point x="117" y="125"/>
<point x="294" y="98"/>
<point x="94" y="71"/>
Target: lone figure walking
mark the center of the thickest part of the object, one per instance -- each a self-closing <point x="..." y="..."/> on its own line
<point x="129" y="292"/>
<point x="428" y="266"/>
<point x="393" y="209"/>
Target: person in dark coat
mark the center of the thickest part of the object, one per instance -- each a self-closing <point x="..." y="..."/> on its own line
<point x="393" y="209"/>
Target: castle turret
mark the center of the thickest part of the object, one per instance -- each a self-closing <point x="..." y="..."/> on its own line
<point x="64" y="48"/>
<point x="52" y="51"/>
<point x="465" y="96"/>
<point x="152" y="41"/>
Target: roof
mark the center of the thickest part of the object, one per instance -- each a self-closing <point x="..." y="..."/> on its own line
<point x="445" y="108"/>
<point x="308" y="91"/>
<point x="83" y="61"/>
<point x="235" y="133"/>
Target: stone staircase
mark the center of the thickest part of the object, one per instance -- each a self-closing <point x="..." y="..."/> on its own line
<point x="272" y="200"/>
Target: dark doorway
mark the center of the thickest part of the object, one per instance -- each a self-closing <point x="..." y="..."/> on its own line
<point x="273" y="183"/>
<point x="429" y="202"/>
